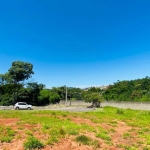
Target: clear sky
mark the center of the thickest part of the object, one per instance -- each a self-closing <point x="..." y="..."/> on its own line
<point x="77" y="43"/>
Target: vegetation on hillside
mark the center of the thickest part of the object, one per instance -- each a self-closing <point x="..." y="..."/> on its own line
<point x="134" y="90"/>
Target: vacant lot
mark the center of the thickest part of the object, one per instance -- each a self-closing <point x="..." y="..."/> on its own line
<point x="105" y="129"/>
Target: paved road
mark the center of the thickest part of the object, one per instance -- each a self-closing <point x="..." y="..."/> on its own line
<point x="73" y="109"/>
<point x="70" y="109"/>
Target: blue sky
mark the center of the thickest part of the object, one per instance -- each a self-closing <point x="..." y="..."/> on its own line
<point x="77" y="43"/>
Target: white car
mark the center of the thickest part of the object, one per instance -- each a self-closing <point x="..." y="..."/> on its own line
<point x="22" y="105"/>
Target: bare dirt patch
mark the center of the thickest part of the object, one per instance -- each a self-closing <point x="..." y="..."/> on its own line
<point x="82" y="121"/>
<point x="69" y="143"/>
<point x="8" y="121"/>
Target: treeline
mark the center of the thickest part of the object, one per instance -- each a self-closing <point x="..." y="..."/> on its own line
<point x="134" y="90"/>
<point x="15" y="86"/>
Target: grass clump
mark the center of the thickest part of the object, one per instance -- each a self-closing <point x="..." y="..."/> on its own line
<point x="125" y="147"/>
<point x="73" y="132"/>
<point x="7" y="134"/>
<point x="146" y="148"/>
<point x="28" y="132"/>
<point x="45" y="126"/>
<point x="33" y="143"/>
<point x="52" y="140"/>
<point x="103" y="136"/>
<point x="96" y="144"/>
<point x="120" y="112"/>
<point x="6" y="139"/>
<point x="83" y="139"/>
<point x="127" y="135"/>
<point x="62" y="131"/>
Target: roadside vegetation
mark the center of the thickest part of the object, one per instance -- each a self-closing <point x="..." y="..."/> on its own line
<point x="104" y="128"/>
<point x="137" y="90"/>
<point x="15" y="86"/>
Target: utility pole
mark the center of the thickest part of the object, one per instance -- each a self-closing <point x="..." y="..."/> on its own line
<point x="66" y="95"/>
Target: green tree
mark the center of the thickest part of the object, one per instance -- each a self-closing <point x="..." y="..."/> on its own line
<point x="13" y="81"/>
<point x="18" y="73"/>
<point x="133" y="90"/>
<point x="54" y="97"/>
<point x="43" y="97"/>
<point x="95" y="98"/>
<point x="33" y="90"/>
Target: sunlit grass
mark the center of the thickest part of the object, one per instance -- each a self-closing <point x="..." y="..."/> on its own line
<point x="6" y="134"/>
<point x="57" y="125"/>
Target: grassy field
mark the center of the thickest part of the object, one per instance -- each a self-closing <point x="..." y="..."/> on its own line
<point x="105" y="128"/>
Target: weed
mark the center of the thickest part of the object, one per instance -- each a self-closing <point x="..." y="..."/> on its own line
<point x="148" y="142"/>
<point x="73" y="132"/>
<point x="112" y="130"/>
<point x="45" y="126"/>
<point x="52" y="140"/>
<point x="54" y="132"/>
<point x="125" y="147"/>
<point x="96" y="144"/>
<point x="19" y="136"/>
<point x="127" y="135"/>
<point x="120" y="112"/>
<point x="28" y="132"/>
<point x="62" y="131"/>
<point x="6" y="139"/>
<point x="53" y="113"/>
<point x="64" y="115"/>
<point x="109" y="143"/>
<point x="7" y="134"/>
<point x="33" y="143"/>
<point x="83" y="139"/>
<point x="146" y="148"/>
<point x="103" y="136"/>
<point x="20" y="128"/>
<point x="113" y="122"/>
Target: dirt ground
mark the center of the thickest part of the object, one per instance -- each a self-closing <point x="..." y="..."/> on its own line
<point x="68" y="143"/>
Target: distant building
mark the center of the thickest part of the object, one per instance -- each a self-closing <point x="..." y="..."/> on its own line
<point x="101" y="87"/>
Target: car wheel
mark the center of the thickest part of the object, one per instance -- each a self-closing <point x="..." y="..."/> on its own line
<point x="17" y="108"/>
<point x="29" y="108"/>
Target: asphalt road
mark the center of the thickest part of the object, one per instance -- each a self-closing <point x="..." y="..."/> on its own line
<point x="69" y="109"/>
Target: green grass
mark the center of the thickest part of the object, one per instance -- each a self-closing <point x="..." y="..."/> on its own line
<point x="6" y="134"/>
<point x="103" y="136"/>
<point x="57" y="125"/>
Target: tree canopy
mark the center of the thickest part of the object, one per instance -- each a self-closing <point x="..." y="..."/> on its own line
<point x="14" y="86"/>
<point x="133" y="90"/>
<point x="20" y="71"/>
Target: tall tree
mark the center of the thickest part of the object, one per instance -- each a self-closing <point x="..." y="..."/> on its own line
<point x="17" y="74"/>
<point x="20" y="71"/>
